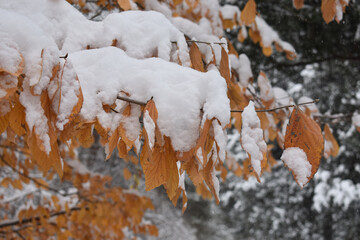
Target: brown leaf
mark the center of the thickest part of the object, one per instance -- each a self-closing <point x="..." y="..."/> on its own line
<point x="126" y="173"/>
<point x="17" y="118"/>
<point x="298" y="3"/>
<point x="224" y="65"/>
<point x="334" y="146"/>
<point x="267" y="51"/>
<point x="328" y="9"/>
<point x="124" y="4"/>
<point x="195" y="57"/>
<point x="151" y="108"/>
<point x="248" y="14"/>
<point x="4" y="122"/>
<point x="161" y="168"/>
<point x="304" y="133"/>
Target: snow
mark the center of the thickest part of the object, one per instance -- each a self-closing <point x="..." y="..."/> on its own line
<point x="200" y="32"/>
<point x="296" y="160"/>
<point x="356" y="119"/>
<point x="268" y="35"/>
<point x="147" y="32"/>
<point x="9" y="54"/>
<point x="220" y="138"/>
<point x="104" y="72"/>
<point x="340" y="191"/>
<point x="312" y="107"/>
<point x="242" y="66"/>
<point x="230" y="12"/>
<point x="252" y="137"/>
<point x="282" y="98"/>
<point x="44" y="30"/>
<point x="149" y="126"/>
<point x="266" y="92"/>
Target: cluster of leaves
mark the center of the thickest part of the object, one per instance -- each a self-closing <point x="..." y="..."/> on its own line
<point x="96" y="204"/>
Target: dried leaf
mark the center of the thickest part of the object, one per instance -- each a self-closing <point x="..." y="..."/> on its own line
<point x="331" y="145"/>
<point x="224" y="65"/>
<point x="267" y="51"/>
<point x="298" y="4"/>
<point x="248" y="14"/>
<point x="17" y="118"/>
<point x="328" y="9"/>
<point x="124" y="4"/>
<point x="195" y="57"/>
<point x="304" y="133"/>
<point x="126" y="174"/>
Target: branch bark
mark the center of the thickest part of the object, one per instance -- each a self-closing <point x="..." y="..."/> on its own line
<point x="29" y="220"/>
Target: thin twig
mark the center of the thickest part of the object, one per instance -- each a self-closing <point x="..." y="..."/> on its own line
<point x="203" y="42"/>
<point x="277" y="108"/>
<point x="32" y="179"/>
<point x="131" y="100"/>
<point x="28" y="220"/>
<point x="20" y="235"/>
<point x="64" y="57"/>
<point x="256" y="98"/>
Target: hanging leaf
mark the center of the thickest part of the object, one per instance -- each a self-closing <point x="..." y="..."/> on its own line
<point x="126" y="174"/>
<point x="224" y="65"/>
<point x="303" y="135"/>
<point x="248" y="14"/>
<point x="195" y="57"/>
<point x="252" y="139"/>
<point x="298" y="4"/>
<point x="331" y="147"/>
<point x="124" y="4"/>
<point x="328" y="9"/>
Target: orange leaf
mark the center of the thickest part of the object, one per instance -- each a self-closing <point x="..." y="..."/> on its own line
<point x="298" y="3"/>
<point x="248" y="14"/>
<point x="254" y="35"/>
<point x="124" y="4"/>
<point x="112" y="143"/>
<point x="331" y="145"/>
<point x="161" y="168"/>
<point x="151" y="108"/>
<point x="126" y="173"/>
<point x="195" y="57"/>
<point x="17" y="118"/>
<point x="328" y="9"/>
<point x="224" y="65"/>
<point x="267" y="51"/>
<point x="4" y="122"/>
<point x="304" y="133"/>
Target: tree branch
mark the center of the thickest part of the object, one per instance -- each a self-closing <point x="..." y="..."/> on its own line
<point x="131" y="101"/>
<point x="277" y="108"/>
<point x="303" y="63"/>
<point x="29" y="220"/>
<point x="203" y="42"/>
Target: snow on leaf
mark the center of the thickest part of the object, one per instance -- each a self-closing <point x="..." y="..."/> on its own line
<point x="266" y="92"/>
<point x="252" y="139"/>
<point x="166" y="82"/>
<point x="304" y="133"/>
<point x="150" y="118"/>
<point x="295" y="159"/>
<point x="11" y="60"/>
<point x="248" y="13"/>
